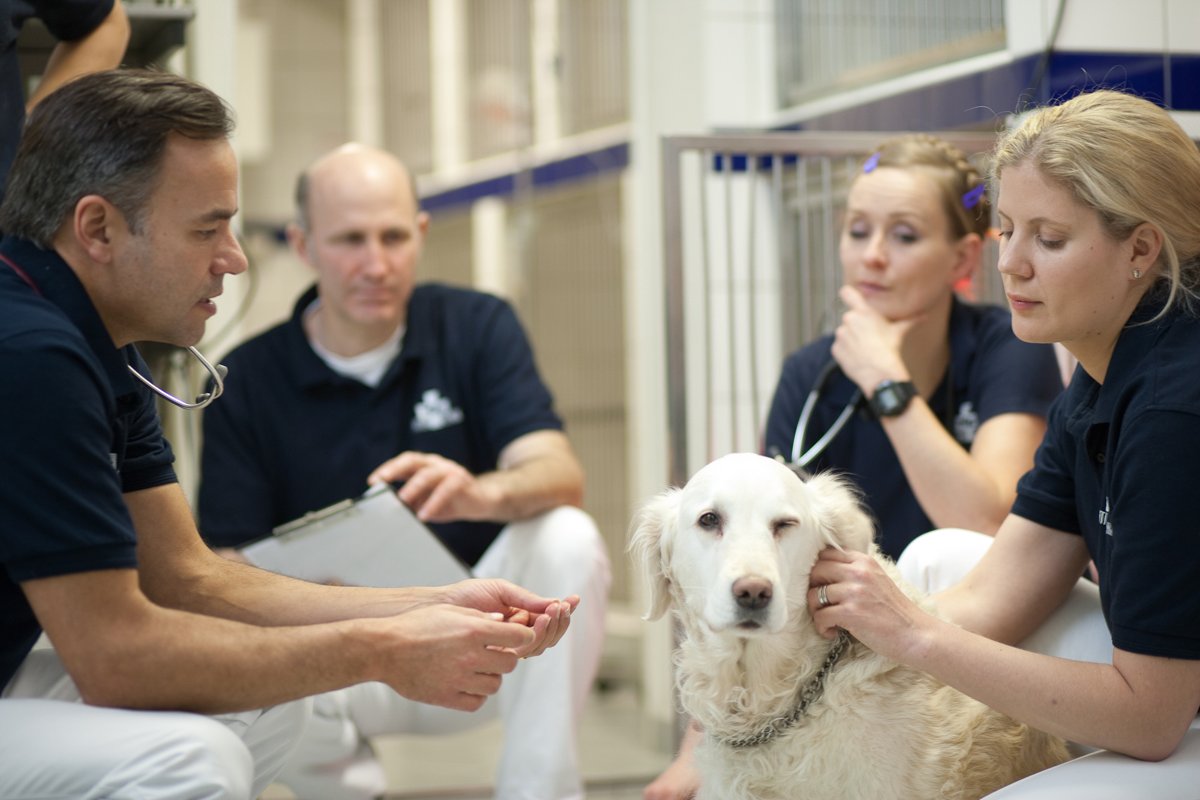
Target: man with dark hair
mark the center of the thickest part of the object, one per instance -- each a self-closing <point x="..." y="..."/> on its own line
<point x="130" y="241"/>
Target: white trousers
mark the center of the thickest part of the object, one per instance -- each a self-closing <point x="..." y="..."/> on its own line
<point x="54" y="746"/>
<point x="556" y="554"/>
<point x="1077" y="631"/>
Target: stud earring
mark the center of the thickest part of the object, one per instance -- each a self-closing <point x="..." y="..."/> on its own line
<point x="1137" y="273"/>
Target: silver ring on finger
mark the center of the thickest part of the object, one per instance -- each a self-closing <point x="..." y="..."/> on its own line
<point x="823" y="596"/>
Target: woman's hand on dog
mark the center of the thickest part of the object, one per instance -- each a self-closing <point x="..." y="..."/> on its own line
<point x="866" y="603"/>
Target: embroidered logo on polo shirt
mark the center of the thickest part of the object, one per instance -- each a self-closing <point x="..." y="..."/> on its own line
<point x="1104" y="518"/>
<point x="966" y="423"/>
<point x="434" y="412"/>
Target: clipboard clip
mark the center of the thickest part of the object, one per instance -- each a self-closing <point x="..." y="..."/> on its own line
<point x="313" y="516"/>
<point x="328" y="511"/>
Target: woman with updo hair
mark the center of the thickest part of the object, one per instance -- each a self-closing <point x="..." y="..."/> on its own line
<point x="954" y="405"/>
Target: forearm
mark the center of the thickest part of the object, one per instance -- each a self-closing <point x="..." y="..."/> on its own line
<point x="536" y="472"/>
<point x="953" y="489"/>
<point x="177" y="570"/>
<point x="1024" y="577"/>
<point x="102" y="49"/>
<point x="182" y="661"/>
<point x="1094" y="704"/>
<point x="964" y="607"/>
<point x="230" y="590"/>
<point x="532" y="488"/>
<point x="123" y="650"/>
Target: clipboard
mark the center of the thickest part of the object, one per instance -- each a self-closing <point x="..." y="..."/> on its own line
<point x="373" y="540"/>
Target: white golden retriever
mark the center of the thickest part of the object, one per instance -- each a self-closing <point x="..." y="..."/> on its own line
<point x="731" y="552"/>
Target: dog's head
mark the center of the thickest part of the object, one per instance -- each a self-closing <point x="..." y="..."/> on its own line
<point x="737" y="542"/>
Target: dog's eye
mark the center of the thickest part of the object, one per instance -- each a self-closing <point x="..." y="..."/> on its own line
<point x="709" y="521"/>
<point x="782" y="526"/>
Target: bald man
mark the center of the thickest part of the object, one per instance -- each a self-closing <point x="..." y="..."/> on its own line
<point x="377" y="378"/>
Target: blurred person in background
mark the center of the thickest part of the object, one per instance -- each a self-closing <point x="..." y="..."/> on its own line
<point x="377" y="378"/>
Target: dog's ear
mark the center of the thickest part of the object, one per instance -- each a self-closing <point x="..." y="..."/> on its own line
<point x="650" y="545"/>
<point x="844" y="522"/>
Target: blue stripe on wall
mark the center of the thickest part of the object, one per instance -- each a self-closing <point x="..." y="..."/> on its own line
<point x="609" y="159"/>
<point x="972" y="101"/>
<point x="980" y="100"/>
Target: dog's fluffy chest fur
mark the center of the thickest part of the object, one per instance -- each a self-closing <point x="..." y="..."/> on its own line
<point x="880" y="731"/>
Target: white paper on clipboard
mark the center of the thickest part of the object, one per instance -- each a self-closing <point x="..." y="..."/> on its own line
<point x="374" y="540"/>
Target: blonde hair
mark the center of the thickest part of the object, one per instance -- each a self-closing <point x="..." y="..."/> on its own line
<point x="956" y="178"/>
<point x="1128" y="160"/>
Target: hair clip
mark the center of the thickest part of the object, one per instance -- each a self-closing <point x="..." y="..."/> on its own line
<point x="871" y="163"/>
<point x="972" y="198"/>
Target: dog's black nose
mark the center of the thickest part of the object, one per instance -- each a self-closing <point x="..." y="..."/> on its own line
<point x="752" y="593"/>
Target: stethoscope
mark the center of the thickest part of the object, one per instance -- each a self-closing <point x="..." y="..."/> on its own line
<point x="801" y="458"/>
<point x="217" y="373"/>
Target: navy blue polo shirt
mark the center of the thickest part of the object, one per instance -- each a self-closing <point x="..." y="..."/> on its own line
<point x="1118" y="467"/>
<point x="67" y="20"/>
<point x="78" y="432"/>
<point x="290" y="435"/>
<point x="991" y="372"/>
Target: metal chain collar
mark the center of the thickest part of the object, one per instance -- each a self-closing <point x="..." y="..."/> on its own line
<point x="811" y="692"/>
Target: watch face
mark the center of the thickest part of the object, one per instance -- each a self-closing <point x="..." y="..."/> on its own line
<point x="892" y="397"/>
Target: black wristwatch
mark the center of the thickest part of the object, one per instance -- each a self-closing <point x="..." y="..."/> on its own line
<point x="890" y="398"/>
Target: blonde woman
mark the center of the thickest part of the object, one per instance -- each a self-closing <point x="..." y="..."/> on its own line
<point x="1098" y="202"/>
